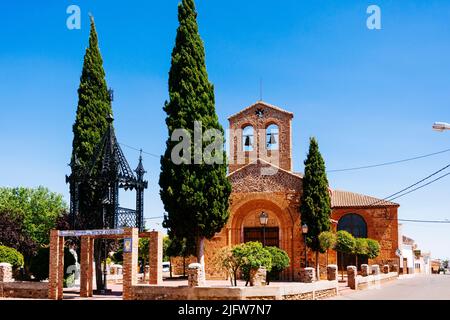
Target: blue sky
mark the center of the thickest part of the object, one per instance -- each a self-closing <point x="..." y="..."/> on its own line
<point x="369" y="96"/>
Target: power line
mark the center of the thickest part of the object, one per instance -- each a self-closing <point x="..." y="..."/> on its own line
<point x="417" y="183"/>
<point x="390" y="162"/>
<point x="399" y="193"/>
<point x="423" y="186"/>
<point x="139" y="150"/>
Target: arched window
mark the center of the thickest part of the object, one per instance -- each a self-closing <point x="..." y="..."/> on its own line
<point x="354" y="224"/>
<point x="247" y="138"/>
<point x="272" y="134"/>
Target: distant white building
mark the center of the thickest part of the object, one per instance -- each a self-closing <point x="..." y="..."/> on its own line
<point x="412" y="260"/>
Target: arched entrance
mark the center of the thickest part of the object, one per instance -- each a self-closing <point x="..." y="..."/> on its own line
<point x="356" y="226"/>
<point x="245" y="226"/>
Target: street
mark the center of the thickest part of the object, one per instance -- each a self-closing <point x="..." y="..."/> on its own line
<point x="420" y="287"/>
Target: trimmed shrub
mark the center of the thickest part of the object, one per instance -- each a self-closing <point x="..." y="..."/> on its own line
<point x="253" y="256"/>
<point x="345" y="242"/>
<point x="11" y="256"/>
<point x="280" y="261"/>
<point x="373" y="248"/>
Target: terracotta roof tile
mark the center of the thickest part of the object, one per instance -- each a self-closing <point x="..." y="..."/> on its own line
<point x="341" y="198"/>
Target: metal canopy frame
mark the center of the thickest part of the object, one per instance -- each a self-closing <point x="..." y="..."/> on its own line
<point x="108" y="172"/>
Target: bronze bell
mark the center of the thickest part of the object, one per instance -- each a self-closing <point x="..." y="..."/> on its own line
<point x="247" y="141"/>
<point x="272" y="139"/>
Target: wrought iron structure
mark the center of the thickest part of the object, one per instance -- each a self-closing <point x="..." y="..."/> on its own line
<point x="108" y="172"/>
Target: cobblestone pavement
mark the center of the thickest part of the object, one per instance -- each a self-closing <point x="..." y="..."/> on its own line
<point x="419" y="287"/>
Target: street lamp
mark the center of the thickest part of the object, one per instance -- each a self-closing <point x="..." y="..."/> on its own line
<point x="305" y="231"/>
<point x="263" y="219"/>
<point x="441" y="126"/>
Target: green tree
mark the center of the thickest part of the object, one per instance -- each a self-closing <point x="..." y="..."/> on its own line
<point x="280" y="261"/>
<point x="225" y="259"/>
<point x="315" y="207"/>
<point x="327" y="240"/>
<point x="39" y="209"/>
<point x="361" y="249"/>
<point x="345" y="244"/>
<point x="373" y="248"/>
<point x="13" y="234"/>
<point x="252" y="256"/>
<point x="94" y="103"/>
<point x="94" y="108"/>
<point x="195" y="196"/>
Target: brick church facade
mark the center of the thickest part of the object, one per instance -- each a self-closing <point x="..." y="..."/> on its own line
<point x="262" y="178"/>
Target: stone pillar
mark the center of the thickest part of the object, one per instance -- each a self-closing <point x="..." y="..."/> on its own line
<point x="86" y="272"/>
<point x="195" y="275"/>
<point x="6" y="272"/>
<point x="395" y="268"/>
<point x="56" y="266"/>
<point x="155" y="257"/>
<point x="60" y="268"/>
<point x="365" y="270"/>
<point x="307" y="275"/>
<point x="352" y="279"/>
<point x="130" y="262"/>
<point x="258" y="277"/>
<point x="375" y="270"/>
<point x="386" y="268"/>
<point x="332" y="272"/>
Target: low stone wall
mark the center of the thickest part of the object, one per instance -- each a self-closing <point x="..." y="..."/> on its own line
<point x="372" y="281"/>
<point x="17" y="289"/>
<point x="294" y="291"/>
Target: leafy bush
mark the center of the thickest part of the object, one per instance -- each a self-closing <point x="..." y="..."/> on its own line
<point x="345" y="242"/>
<point x="39" y="265"/>
<point x="11" y="256"/>
<point x="69" y="280"/>
<point x="361" y="247"/>
<point x="280" y="261"/>
<point x="373" y="248"/>
<point x="230" y="262"/>
<point x="327" y="240"/>
<point x="253" y="256"/>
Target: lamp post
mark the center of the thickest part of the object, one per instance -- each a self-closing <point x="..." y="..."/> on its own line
<point x="263" y="219"/>
<point x="441" y="126"/>
<point x="305" y="231"/>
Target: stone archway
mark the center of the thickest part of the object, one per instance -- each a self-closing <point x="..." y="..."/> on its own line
<point x="246" y="215"/>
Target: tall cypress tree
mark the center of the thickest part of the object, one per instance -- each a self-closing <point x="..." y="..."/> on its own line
<point x="94" y="103"/>
<point x="94" y="107"/>
<point x="315" y="205"/>
<point x="195" y="196"/>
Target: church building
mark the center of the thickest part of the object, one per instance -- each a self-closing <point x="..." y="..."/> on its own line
<point x="265" y="187"/>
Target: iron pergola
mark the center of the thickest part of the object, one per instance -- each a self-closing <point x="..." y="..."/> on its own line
<point x="108" y="172"/>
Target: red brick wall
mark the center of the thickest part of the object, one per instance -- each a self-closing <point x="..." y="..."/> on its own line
<point x="281" y="158"/>
<point x="382" y="225"/>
